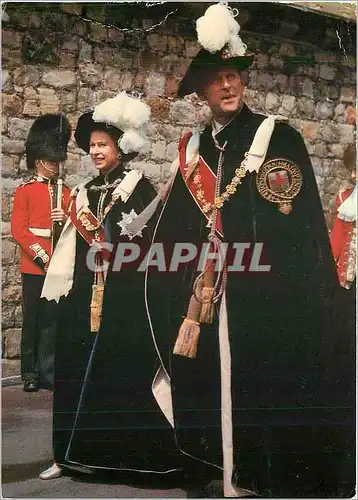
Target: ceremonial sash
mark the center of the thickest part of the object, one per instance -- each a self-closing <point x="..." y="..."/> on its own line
<point x="86" y="224"/>
<point x="208" y="181"/>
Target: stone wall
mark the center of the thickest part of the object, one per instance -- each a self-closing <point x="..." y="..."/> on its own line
<point x="56" y="61"/>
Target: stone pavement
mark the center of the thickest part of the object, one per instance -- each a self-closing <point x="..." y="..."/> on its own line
<point x="27" y="450"/>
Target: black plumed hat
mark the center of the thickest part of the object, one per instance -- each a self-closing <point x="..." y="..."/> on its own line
<point x="48" y="139"/>
<point x="86" y="125"/>
<point x="204" y="63"/>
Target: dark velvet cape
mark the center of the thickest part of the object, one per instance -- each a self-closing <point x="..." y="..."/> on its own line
<point x="292" y="355"/>
<point x="105" y="415"/>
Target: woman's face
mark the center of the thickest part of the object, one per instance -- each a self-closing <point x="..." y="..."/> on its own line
<point x="103" y="151"/>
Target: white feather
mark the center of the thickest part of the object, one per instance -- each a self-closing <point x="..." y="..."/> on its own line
<point x="217" y="28"/>
<point x="132" y="141"/>
<point x="122" y="112"/>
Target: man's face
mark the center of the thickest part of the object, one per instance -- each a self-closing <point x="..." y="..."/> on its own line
<point x="224" y="93"/>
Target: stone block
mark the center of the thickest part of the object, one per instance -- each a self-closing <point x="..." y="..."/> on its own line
<point x="71" y="44"/>
<point x="320" y="150"/>
<point x="182" y="112"/>
<point x="265" y="81"/>
<point x="171" y="86"/>
<point x="26" y="75"/>
<point x="10" y="38"/>
<point x="49" y="100"/>
<point x="350" y="115"/>
<point x="155" y="85"/>
<point x="324" y="110"/>
<point x="310" y="131"/>
<point x="10" y="367"/>
<point x="85" y="99"/>
<point x="9" y="165"/>
<point x="6" y="80"/>
<point x="19" y="128"/>
<point x="288" y="105"/>
<point x="348" y="95"/>
<point x="159" y="107"/>
<point x="12" y="146"/>
<point x="11" y="104"/>
<point x="172" y="151"/>
<point x="113" y="79"/>
<point x="329" y="131"/>
<point x="169" y="132"/>
<point x="158" y="43"/>
<point x="8" y="251"/>
<point x="345" y="133"/>
<point x="91" y="74"/>
<point x="12" y="343"/>
<point x="337" y="150"/>
<point x="5" y="228"/>
<point x="306" y="107"/>
<point x="7" y="317"/>
<point x="59" y="78"/>
<point x="203" y="114"/>
<point x="158" y="150"/>
<point x="176" y="45"/>
<point x="307" y="87"/>
<point x="11" y="294"/>
<point x="191" y="48"/>
<point x="287" y="50"/>
<point x="327" y="72"/>
<point x="151" y="170"/>
<point x="273" y="102"/>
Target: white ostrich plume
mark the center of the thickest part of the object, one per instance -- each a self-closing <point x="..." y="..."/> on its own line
<point x="127" y="114"/>
<point x="132" y="140"/>
<point x="217" y="28"/>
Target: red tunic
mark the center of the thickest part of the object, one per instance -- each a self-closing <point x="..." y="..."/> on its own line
<point x="341" y="239"/>
<point x="31" y="213"/>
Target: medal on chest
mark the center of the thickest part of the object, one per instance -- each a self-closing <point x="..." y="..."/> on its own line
<point x="279" y="181"/>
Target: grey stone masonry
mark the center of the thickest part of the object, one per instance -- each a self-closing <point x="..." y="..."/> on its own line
<point x="55" y="61"/>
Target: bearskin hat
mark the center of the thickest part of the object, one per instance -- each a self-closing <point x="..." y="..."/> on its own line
<point x="48" y="139"/>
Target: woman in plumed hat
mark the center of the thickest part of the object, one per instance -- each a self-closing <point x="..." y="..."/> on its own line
<point x="103" y="404"/>
<point x="38" y="212"/>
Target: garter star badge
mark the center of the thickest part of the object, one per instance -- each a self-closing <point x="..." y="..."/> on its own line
<point x="125" y="225"/>
<point x="279" y="181"/>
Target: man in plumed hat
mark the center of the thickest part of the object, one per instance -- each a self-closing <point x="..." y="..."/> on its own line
<point x="37" y="217"/>
<point x="255" y="377"/>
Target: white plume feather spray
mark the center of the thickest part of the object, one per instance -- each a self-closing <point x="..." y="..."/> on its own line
<point x="127" y="114"/>
<point x="132" y="140"/>
<point x="217" y="28"/>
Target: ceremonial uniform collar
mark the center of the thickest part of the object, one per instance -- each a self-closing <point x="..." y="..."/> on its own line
<point x="41" y="178"/>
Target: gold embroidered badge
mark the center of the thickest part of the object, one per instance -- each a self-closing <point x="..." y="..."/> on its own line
<point x="279" y="181"/>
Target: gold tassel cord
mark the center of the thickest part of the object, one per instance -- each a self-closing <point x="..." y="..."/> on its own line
<point x="96" y="306"/>
<point x="188" y="336"/>
<point x="207" y="296"/>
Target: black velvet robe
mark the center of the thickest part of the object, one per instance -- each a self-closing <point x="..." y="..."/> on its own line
<point x="292" y="356"/>
<point x="105" y="415"/>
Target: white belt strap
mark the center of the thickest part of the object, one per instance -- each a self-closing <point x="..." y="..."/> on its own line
<point x="44" y="233"/>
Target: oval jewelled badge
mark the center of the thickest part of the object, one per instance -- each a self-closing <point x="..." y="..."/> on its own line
<point x="279" y="181"/>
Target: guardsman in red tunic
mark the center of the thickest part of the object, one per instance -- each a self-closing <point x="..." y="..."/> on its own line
<point x="344" y="233"/>
<point x="39" y="211"/>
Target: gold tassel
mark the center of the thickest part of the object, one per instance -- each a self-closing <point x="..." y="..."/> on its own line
<point x="188" y="336"/>
<point x="96" y="307"/>
<point x="208" y="307"/>
<point x="207" y="313"/>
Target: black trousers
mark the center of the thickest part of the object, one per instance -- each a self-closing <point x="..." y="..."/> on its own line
<point x="38" y="332"/>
